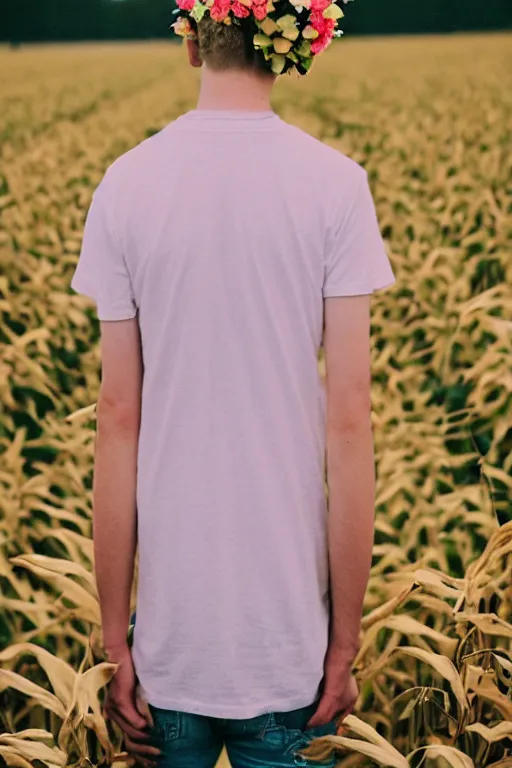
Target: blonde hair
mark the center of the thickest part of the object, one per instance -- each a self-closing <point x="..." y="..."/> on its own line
<point x="230" y="46"/>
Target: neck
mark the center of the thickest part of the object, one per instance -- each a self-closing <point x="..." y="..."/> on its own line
<point x="234" y="90"/>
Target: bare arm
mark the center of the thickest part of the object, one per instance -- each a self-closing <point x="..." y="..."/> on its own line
<point x="350" y="465"/>
<point x="115" y="475"/>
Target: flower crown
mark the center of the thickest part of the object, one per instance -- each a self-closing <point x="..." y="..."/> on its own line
<point x="289" y="34"/>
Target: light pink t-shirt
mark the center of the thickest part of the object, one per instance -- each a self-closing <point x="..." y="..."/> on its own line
<point x="224" y="232"/>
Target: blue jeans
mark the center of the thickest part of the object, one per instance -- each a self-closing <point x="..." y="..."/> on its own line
<point x="270" y="740"/>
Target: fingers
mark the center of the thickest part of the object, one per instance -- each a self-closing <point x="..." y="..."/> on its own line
<point x="335" y="705"/>
<point x="129" y="720"/>
<point x="347" y="710"/>
<point x="324" y="713"/>
<point x="138" y="736"/>
<point x="142" y="706"/>
<point x="136" y="749"/>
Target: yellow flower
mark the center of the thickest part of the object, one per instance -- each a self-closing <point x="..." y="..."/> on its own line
<point x="288" y="26"/>
<point x="309" y="33"/>
<point x="261" y="41"/>
<point x="278" y="63"/>
<point x="285" y="21"/>
<point x="182" y="27"/>
<point x="268" y="26"/>
<point x="333" y="11"/>
<point x="281" y="45"/>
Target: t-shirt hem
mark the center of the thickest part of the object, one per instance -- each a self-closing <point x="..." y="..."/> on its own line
<point x="109" y="313"/>
<point x="121" y="315"/>
<point x="356" y="290"/>
<point x="230" y="711"/>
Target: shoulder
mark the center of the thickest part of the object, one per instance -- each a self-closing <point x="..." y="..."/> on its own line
<point x="324" y="153"/>
<point x="131" y="168"/>
<point x="332" y="178"/>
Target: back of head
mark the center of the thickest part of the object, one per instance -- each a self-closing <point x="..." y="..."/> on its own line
<point x="230" y="46"/>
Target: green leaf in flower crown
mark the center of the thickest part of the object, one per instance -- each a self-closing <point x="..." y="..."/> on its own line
<point x="261" y="41"/>
<point x="198" y="11"/>
<point x="278" y="63"/>
<point x="292" y="56"/>
<point x="304" y="49"/>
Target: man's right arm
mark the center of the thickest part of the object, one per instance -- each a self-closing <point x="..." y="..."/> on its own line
<point x="350" y="466"/>
<point x="351" y="484"/>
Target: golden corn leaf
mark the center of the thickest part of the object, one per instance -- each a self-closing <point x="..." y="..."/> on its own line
<point x="60" y="674"/>
<point x="487" y="689"/>
<point x="453" y="757"/>
<point x="365" y="730"/>
<point x="96" y="722"/>
<point x="488" y="623"/>
<point x="435" y="582"/>
<point x="498" y="732"/>
<point x="54" y="565"/>
<point x="90" y="682"/>
<point x="32" y="750"/>
<point x="28" y="733"/>
<point x="86" y="413"/>
<point x="13" y="758"/>
<point x="442" y="666"/>
<point x="386" y="756"/>
<point x="9" y="679"/>
<point x="411" y="626"/>
<point x="88" y="605"/>
<point x="380" y="613"/>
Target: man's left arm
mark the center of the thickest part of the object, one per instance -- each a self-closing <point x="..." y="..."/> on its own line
<point x="115" y="478"/>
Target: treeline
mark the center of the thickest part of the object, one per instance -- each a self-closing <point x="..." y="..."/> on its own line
<point x="54" y="20"/>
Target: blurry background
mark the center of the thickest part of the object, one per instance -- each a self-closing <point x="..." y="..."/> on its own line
<point x="430" y="118"/>
<point x="31" y="20"/>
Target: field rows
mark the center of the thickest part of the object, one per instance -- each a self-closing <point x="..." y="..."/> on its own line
<point x="431" y="120"/>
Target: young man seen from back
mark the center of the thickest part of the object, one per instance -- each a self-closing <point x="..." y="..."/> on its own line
<point x="221" y="253"/>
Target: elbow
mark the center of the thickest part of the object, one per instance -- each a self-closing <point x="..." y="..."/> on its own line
<point x="350" y="420"/>
<point x="115" y="418"/>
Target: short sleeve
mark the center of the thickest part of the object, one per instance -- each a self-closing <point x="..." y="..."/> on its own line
<point x="356" y="260"/>
<point x="101" y="272"/>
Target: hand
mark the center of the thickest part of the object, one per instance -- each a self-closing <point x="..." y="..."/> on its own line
<point x="126" y="707"/>
<point x="340" y="690"/>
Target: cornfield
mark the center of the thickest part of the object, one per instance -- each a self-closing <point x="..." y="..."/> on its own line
<point x="431" y="120"/>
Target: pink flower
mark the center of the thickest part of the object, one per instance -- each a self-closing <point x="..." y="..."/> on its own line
<point x="325" y="29"/>
<point x="259" y="9"/>
<point x="185" y="5"/>
<point x="220" y="9"/>
<point x="322" y="41"/>
<point x="239" y="10"/>
<point x="318" y="22"/>
<point x="320" y="5"/>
